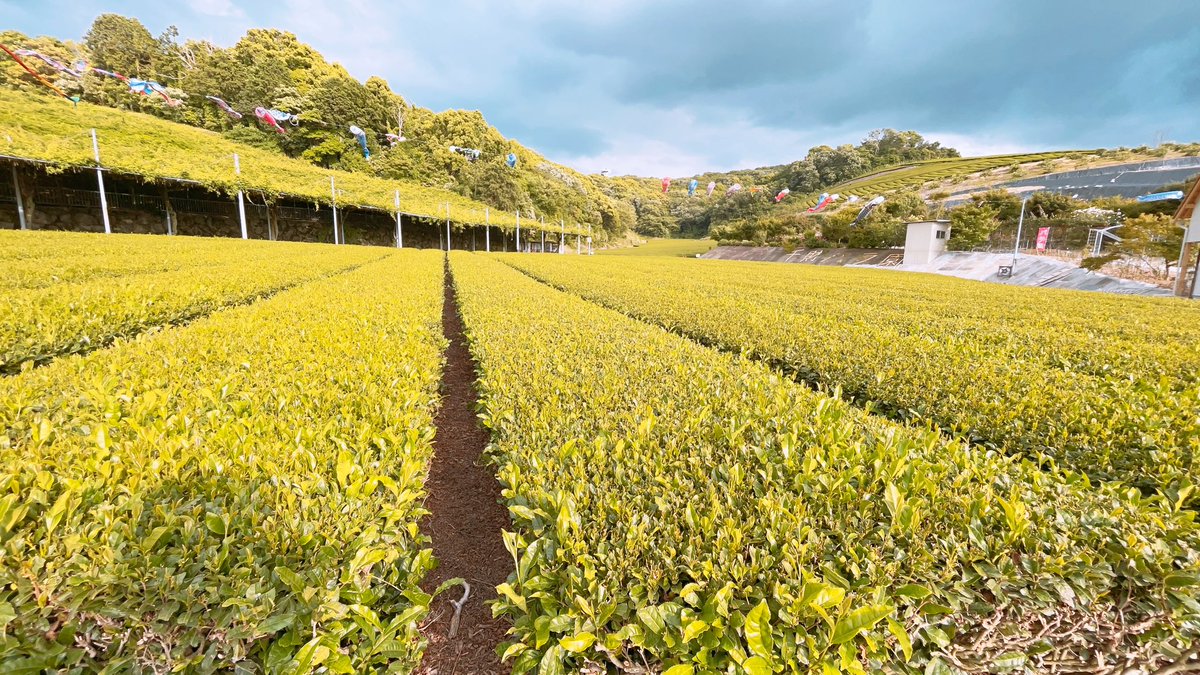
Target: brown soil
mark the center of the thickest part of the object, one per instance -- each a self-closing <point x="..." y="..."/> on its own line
<point x="465" y="521"/>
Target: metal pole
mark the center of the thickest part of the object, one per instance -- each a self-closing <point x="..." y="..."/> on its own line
<point x="562" y="236"/>
<point x="487" y="238"/>
<point x="333" y="198"/>
<point x="100" y="181"/>
<point x="20" y="201"/>
<point x="1020" y="224"/>
<point x="447" y="227"/>
<point x="577" y="241"/>
<point x="590" y="252"/>
<point x="399" y="232"/>
<point x="518" y="232"/>
<point x="237" y="170"/>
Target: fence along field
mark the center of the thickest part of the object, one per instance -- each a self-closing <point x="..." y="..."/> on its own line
<point x="242" y="492"/>
<point x="1103" y="385"/>
<point x="691" y="509"/>
<point x="124" y="298"/>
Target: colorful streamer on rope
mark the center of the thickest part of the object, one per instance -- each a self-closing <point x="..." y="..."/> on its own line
<point x="692" y="187"/>
<point x="37" y="75"/>
<point x="666" y="185"/>
<point x="866" y="210"/>
<point x="1161" y="196"/>
<point x="511" y="160"/>
<point x="109" y="73"/>
<point x="824" y="200"/>
<point x="711" y="186"/>
<point x="361" y="136"/>
<point x="148" y="88"/>
<point x="226" y="107"/>
<point x="736" y="187"/>
<point x="782" y="195"/>
<point x="274" y="117"/>
<point x="393" y="139"/>
<point x="265" y="115"/>
<point x="55" y="64"/>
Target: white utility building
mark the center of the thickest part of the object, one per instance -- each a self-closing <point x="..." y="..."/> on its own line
<point x="925" y="240"/>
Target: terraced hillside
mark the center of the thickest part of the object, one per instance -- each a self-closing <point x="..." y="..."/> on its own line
<point x="916" y="175"/>
<point x="57" y="133"/>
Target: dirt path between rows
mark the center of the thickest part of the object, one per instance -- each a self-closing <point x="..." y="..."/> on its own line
<point x="465" y="521"/>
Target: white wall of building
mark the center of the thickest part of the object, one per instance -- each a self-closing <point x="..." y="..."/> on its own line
<point x="925" y="241"/>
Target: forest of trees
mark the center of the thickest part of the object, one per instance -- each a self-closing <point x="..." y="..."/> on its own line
<point x="273" y="69"/>
<point x="754" y="210"/>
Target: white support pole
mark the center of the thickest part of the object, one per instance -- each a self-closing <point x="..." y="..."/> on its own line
<point x="100" y="181"/>
<point x="447" y="227"/>
<point x="518" y="231"/>
<point x="20" y="201"/>
<point x="399" y="232"/>
<point x="562" y="236"/>
<point x="590" y="252"/>
<point x="487" y="224"/>
<point x="1020" y="224"/>
<point x="577" y="242"/>
<point x="237" y="170"/>
<point x="333" y="200"/>
<point x="543" y="248"/>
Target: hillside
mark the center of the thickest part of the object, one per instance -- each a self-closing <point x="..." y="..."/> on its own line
<point x="48" y="130"/>
<point x="272" y="69"/>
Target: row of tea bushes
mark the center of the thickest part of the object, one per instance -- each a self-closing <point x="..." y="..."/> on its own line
<point x="38" y="259"/>
<point x="691" y="509"/>
<point x="40" y="324"/>
<point x="1106" y="385"/>
<point x="241" y="494"/>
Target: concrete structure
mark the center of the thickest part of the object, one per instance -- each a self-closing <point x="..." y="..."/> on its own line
<point x="925" y="241"/>
<point x="1031" y="271"/>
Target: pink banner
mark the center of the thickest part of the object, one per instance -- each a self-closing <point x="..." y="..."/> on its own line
<point x="1042" y="238"/>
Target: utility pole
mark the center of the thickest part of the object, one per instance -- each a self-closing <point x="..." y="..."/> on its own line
<point x="333" y="200"/>
<point x="447" y="227"/>
<point x="1020" y="224"/>
<point x="100" y="180"/>
<point x="399" y="232"/>
<point x="487" y="229"/>
<point x="237" y="170"/>
<point x="20" y="201"/>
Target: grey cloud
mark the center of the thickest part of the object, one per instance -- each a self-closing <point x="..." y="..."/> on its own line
<point x="755" y="82"/>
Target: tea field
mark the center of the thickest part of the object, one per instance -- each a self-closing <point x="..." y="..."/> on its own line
<point x="214" y="458"/>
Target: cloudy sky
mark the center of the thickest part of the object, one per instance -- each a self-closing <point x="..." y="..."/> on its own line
<point x="674" y="88"/>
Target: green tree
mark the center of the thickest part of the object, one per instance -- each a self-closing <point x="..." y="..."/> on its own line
<point x="970" y="226"/>
<point x="836" y="165"/>
<point x="800" y="177"/>
<point x="124" y="45"/>
<point x="1154" y="236"/>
